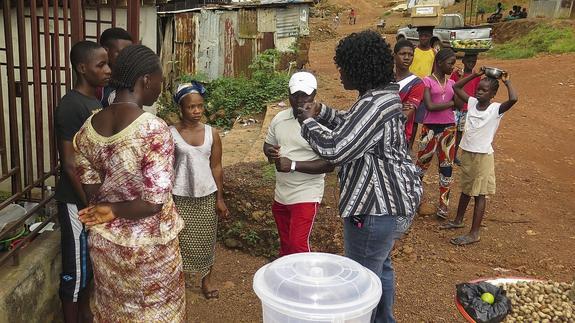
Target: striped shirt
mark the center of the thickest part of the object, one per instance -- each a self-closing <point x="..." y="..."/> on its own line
<point x="377" y="176"/>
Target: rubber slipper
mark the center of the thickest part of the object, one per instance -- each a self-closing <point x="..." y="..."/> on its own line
<point x="464" y="240"/>
<point x="451" y="225"/>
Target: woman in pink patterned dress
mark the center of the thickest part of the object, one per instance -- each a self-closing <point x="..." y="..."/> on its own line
<point x="125" y="162"/>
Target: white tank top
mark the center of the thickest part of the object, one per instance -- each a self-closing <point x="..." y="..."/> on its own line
<point x="193" y="174"/>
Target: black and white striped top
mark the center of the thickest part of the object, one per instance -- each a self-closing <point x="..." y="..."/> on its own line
<point x="377" y="175"/>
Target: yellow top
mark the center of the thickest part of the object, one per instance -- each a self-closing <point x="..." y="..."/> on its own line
<point x="422" y="65"/>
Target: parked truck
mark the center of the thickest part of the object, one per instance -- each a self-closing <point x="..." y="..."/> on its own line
<point x="452" y="32"/>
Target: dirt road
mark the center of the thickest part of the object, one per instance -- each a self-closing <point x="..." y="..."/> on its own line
<point x="529" y="222"/>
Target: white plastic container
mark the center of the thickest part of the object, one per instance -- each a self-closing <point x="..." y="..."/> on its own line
<point x="316" y="287"/>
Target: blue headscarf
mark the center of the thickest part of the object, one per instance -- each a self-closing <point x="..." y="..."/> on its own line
<point x="188" y="88"/>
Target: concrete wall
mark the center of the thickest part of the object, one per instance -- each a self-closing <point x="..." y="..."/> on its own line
<point x="29" y="291"/>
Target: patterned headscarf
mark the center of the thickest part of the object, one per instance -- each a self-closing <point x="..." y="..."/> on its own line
<point x="188" y="88"/>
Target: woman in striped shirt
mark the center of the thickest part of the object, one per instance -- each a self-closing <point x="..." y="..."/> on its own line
<point x="380" y="189"/>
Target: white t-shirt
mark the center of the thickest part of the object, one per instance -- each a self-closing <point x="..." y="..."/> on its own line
<point x="296" y="187"/>
<point x="480" y="127"/>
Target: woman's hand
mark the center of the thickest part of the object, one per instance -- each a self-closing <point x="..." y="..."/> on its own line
<point x="221" y="209"/>
<point x="309" y="110"/>
<point x="96" y="214"/>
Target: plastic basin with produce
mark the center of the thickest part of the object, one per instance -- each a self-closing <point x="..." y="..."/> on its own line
<point x="316" y="287"/>
<point x="471" y="45"/>
<point x="494" y="281"/>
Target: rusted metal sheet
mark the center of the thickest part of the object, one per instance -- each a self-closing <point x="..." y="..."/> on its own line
<point x="229" y="41"/>
<point x="267" y="42"/>
<point x="266" y="20"/>
<point x="185" y="41"/>
<point x="243" y="56"/>
<point x="248" y="23"/>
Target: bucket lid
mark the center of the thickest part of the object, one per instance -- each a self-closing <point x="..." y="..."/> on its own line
<point x="318" y="286"/>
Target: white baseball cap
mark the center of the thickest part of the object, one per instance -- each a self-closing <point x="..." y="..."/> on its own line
<point x="302" y="81"/>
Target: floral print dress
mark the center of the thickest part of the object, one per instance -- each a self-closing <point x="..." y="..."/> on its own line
<point x="137" y="263"/>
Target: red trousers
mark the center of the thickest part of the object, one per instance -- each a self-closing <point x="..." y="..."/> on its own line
<point x="294" y="224"/>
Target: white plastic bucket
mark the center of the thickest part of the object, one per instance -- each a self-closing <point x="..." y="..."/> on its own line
<point x="316" y="287"/>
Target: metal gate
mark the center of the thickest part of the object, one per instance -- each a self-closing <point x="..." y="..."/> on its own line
<point x="34" y="74"/>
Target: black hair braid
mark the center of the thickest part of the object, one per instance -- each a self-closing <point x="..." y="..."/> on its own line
<point x="444" y="54"/>
<point x="365" y="59"/>
<point x="132" y="63"/>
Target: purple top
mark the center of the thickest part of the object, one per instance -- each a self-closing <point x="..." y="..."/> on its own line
<point x="439" y="95"/>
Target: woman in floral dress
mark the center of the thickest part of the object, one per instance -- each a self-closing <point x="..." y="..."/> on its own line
<point x="125" y="162"/>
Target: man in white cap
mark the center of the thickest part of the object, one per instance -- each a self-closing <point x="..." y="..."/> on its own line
<point x="299" y="171"/>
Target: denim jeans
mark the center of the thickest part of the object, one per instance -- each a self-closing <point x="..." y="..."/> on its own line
<point x="371" y="246"/>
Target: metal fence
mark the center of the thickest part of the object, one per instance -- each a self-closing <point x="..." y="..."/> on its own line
<point x="34" y="74"/>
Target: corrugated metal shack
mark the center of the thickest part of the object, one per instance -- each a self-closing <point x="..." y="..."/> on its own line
<point x="552" y="9"/>
<point x="222" y="39"/>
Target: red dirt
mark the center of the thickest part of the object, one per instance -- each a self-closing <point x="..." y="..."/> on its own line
<point x="529" y="222"/>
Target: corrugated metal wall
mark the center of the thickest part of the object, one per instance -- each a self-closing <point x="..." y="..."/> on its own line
<point x="224" y="42"/>
<point x="185" y="41"/>
<point x="209" y="54"/>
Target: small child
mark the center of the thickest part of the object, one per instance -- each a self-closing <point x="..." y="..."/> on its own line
<point x="477" y="162"/>
<point x="469" y="61"/>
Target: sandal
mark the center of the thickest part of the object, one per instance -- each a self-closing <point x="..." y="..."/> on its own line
<point x="451" y="225"/>
<point x="464" y="240"/>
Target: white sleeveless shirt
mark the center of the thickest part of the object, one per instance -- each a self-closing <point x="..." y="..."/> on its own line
<point x="193" y="174"/>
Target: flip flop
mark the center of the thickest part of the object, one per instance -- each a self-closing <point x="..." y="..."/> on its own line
<point x="441" y="215"/>
<point x="451" y="225"/>
<point x="212" y="294"/>
<point x="464" y="240"/>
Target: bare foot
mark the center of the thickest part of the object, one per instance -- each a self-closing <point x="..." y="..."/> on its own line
<point x="465" y="239"/>
<point x="207" y="288"/>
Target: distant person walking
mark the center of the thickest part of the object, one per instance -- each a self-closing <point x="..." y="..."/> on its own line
<point x="352" y="16"/>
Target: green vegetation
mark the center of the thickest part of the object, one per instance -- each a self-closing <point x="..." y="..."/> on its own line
<point x="269" y="172"/>
<point x="542" y="39"/>
<point x="4" y="195"/>
<point x="229" y="97"/>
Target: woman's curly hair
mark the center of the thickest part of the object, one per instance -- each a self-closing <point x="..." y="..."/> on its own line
<point x="366" y="60"/>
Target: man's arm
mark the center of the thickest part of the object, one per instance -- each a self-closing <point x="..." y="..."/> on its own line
<point x="318" y="166"/>
<point x="505" y="106"/>
<point x="66" y="150"/>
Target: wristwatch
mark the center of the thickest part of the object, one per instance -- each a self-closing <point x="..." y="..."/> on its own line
<point x="292" y="168"/>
